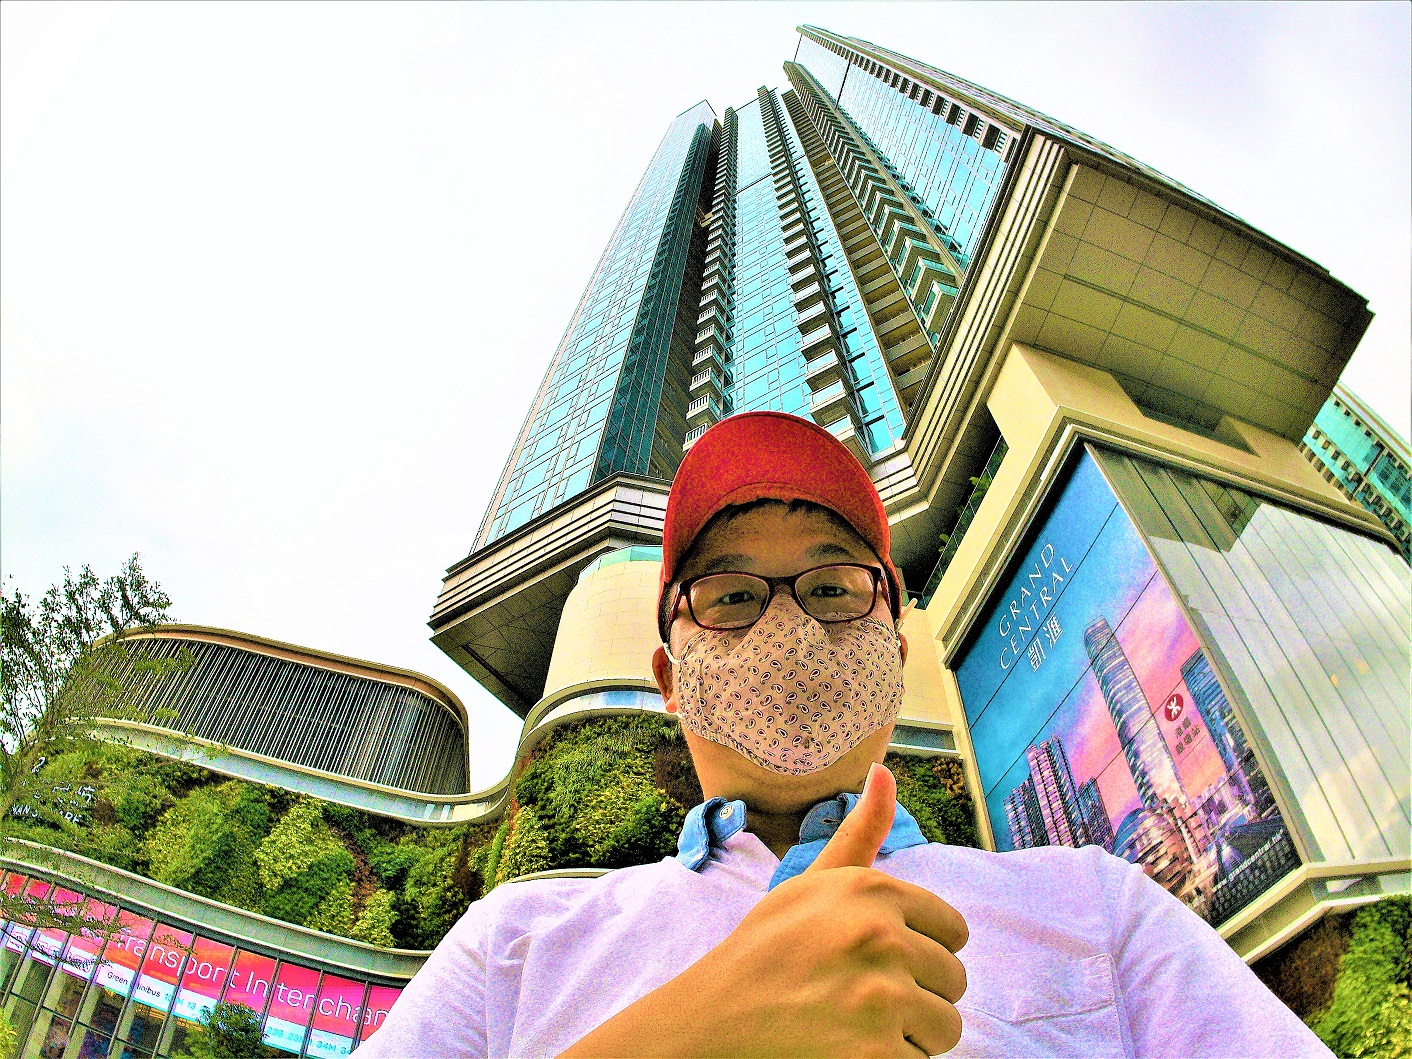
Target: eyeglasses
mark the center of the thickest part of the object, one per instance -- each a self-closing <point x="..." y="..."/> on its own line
<point x="836" y="593"/>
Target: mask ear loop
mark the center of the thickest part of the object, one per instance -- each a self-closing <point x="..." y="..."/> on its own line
<point x="901" y="617"/>
<point x="667" y="650"/>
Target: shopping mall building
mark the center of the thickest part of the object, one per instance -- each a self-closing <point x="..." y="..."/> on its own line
<point x="1145" y="619"/>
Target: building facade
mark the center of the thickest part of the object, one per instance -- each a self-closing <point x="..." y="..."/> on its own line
<point x="1145" y="621"/>
<point x="1355" y="450"/>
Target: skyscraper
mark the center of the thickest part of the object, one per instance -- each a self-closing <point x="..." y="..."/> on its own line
<point x="1150" y="761"/>
<point x="1354" y="449"/>
<point x="613" y="399"/>
<point x="1024" y="817"/>
<point x="1095" y="814"/>
<point x="1054" y="789"/>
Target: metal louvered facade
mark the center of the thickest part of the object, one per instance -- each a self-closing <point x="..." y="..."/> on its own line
<point x="324" y="713"/>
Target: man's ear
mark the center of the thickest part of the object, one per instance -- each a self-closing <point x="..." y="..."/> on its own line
<point x="902" y="643"/>
<point x="662" y="673"/>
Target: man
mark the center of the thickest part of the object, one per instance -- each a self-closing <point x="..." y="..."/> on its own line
<point x="800" y="917"/>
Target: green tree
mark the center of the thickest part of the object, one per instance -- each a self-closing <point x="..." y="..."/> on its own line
<point x="1370" y="1015"/>
<point x="226" y="1031"/>
<point x="60" y="660"/>
<point x="8" y="1037"/>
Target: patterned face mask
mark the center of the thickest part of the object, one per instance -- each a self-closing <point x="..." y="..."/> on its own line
<point x="791" y="694"/>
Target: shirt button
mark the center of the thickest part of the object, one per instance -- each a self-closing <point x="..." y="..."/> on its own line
<point x="727" y="812"/>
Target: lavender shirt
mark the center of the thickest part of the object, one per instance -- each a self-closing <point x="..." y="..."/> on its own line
<point x="1072" y="952"/>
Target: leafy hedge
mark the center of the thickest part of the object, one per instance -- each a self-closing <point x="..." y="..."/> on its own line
<point x="1350" y="979"/>
<point x="603" y="793"/>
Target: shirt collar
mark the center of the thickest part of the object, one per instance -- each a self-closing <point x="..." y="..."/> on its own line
<point x="711" y="823"/>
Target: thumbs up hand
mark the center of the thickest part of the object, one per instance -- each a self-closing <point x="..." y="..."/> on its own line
<point x="840" y="960"/>
<point x="864" y="830"/>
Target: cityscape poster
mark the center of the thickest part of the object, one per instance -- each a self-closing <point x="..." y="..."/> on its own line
<point x="1097" y="717"/>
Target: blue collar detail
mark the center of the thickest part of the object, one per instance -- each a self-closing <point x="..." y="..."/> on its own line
<point x="711" y="823"/>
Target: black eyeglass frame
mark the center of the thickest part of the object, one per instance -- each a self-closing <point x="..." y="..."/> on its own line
<point x="684" y="592"/>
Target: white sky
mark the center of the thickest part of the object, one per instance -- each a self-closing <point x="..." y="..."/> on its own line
<point x="278" y="281"/>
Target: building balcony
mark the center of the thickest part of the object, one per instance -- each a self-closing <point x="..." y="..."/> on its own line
<point x="713" y="337"/>
<point x="713" y="313"/>
<point x="813" y="317"/>
<point x="717" y="295"/>
<point x="926" y="271"/>
<point x="905" y="244"/>
<point x="717" y="277"/>
<point x="830" y="404"/>
<point x="694" y="435"/>
<point x="803" y="279"/>
<point x="823" y="369"/>
<point x="707" y="384"/>
<point x="819" y="339"/>
<point x="809" y="295"/>
<point x="847" y="431"/>
<point x="796" y="240"/>
<point x="919" y="251"/>
<point x="708" y="359"/>
<point x="703" y="411"/>
<point x="937" y="306"/>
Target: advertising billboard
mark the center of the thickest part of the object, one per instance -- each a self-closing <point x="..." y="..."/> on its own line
<point x="249" y="982"/>
<point x="380" y="1001"/>
<point x="291" y="1002"/>
<point x="202" y="979"/>
<point x="162" y="962"/>
<point x="122" y="953"/>
<point x="337" y="1016"/>
<point x="1097" y="718"/>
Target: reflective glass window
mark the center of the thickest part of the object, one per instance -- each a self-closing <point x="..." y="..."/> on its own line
<point x="1309" y="621"/>
<point x="380" y="1001"/>
<point x="338" y="1016"/>
<point x="291" y="1006"/>
<point x="249" y="981"/>
<point x="162" y="962"/>
<point x="202" y="978"/>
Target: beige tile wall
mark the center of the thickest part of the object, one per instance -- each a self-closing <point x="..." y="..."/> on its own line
<point x="1192" y="319"/>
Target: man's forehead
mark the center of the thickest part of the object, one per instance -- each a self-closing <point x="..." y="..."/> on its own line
<point x="745" y="561"/>
<point x="739" y="540"/>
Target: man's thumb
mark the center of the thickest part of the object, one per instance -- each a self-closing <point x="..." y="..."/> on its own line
<point x="863" y="831"/>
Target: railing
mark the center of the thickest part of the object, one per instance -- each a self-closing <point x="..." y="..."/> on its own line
<point x="964" y="518"/>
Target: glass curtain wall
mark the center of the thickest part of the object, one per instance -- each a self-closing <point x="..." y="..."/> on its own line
<point x="136" y="988"/>
<point x="559" y="444"/>
<point x="873" y="390"/>
<point x="1096" y="717"/>
<point x="767" y="370"/>
<point x="943" y="168"/>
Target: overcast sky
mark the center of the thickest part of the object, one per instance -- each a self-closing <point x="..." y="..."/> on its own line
<point x="278" y="282"/>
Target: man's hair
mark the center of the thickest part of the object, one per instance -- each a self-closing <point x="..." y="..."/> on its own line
<point x="727" y="515"/>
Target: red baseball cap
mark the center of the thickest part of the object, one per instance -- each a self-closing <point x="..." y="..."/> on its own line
<point x="770" y="456"/>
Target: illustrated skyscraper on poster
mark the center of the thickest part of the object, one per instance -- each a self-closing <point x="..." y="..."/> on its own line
<point x="1097" y="717"/>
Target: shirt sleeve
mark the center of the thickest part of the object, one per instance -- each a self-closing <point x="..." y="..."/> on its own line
<point x="1184" y="991"/>
<point x="442" y="1011"/>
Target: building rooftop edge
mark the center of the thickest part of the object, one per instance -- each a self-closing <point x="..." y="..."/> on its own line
<point x="1366" y="411"/>
<point x="273" y="648"/>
